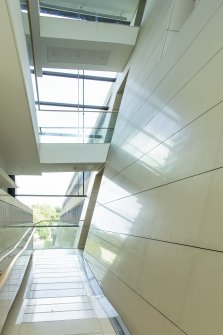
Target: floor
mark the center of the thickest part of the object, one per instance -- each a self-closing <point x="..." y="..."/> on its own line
<point x="56" y="299"/>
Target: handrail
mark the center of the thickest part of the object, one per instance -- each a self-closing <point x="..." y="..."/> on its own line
<point x="48" y="226"/>
<point x="67" y="224"/>
<point x="15" y="246"/>
<point x="5" y="274"/>
<point x="66" y="221"/>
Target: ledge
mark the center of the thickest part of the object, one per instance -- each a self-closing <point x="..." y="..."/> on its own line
<point x="5" y="180"/>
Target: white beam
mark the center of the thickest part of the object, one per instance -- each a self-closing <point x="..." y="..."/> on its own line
<point x="56" y="153"/>
<point x="51" y="27"/>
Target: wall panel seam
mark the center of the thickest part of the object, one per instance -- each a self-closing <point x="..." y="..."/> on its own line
<point x="158" y="240"/>
<point x="177" y="60"/>
<point x="163" y="185"/>
<point x="139" y="295"/>
<point x="174" y="133"/>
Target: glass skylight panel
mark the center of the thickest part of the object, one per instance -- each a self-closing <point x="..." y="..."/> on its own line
<point x="74" y="91"/>
<point x="71" y="105"/>
<point x="60" y="89"/>
<point x="70" y="119"/>
<point x="57" y="119"/>
<point x="55" y="108"/>
<point x="95" y="92"/>
<point x="63" y="97"/>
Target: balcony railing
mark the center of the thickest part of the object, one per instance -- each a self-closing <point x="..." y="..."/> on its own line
<point x="76" y="126"/>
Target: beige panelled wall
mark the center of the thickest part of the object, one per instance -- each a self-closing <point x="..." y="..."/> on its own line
<point x="12" y="212"/>
<point x="156" y="241"/>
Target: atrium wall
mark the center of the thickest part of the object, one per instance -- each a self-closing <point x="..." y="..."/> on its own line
<point x="155" y="244"/>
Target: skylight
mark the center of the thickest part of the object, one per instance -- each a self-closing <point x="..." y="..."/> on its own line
<point x="72" y="105"/>
<point x="54" y="87"/>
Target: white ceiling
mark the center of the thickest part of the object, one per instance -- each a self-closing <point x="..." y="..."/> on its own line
<point x="62" y="43"/>
<point x="19" y="147"/>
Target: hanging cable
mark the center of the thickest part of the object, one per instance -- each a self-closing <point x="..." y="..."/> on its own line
<point x="78" y="105"/>
<point x="83" y="106"/>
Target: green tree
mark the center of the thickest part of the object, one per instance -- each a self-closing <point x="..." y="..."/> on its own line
<point x="48" y="214"/>
<point x="45" y="212"/>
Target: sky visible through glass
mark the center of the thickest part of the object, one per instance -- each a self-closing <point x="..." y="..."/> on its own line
<point x="62" y="90"/>
<point x="47" y="183"/>
<point x="79" y="121"/>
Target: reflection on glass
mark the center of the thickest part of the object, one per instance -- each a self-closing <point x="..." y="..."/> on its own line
<point x="107" y="256"/>
<point x="63" y="135"/>
<point x="55" y="237"/>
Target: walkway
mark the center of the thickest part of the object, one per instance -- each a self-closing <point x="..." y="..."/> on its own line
<point x="56" y="299"/>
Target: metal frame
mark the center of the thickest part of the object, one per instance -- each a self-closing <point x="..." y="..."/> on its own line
<point x="76" y="111"/>
<point x="52" y="195"/>
<point x="46" y="226"/>
<point x="61" y="104"/>
<point x="82" y="14"/>
<point x="100" y="128"/>
<point x="70" y="135"/>
<point x="76" y="76"/>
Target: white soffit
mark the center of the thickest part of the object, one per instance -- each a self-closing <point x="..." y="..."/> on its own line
<point x="13" y="201"/>
<point x="88" y="153"/>
<point x="52" y="27"/>
<point x="5" y="180"/>
<point x="89" y="45"/>
<point x="17" y="138"/>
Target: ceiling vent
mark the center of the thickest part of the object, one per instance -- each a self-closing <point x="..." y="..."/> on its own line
<point x="77" y="56"/>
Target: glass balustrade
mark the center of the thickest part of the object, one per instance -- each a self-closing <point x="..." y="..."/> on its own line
<point x="56" y="235"/>
<point x="76" y="126"/>
<point x="116" y="12"/>
<point x="119" y="12"/>
<point x="14" y="240"/>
